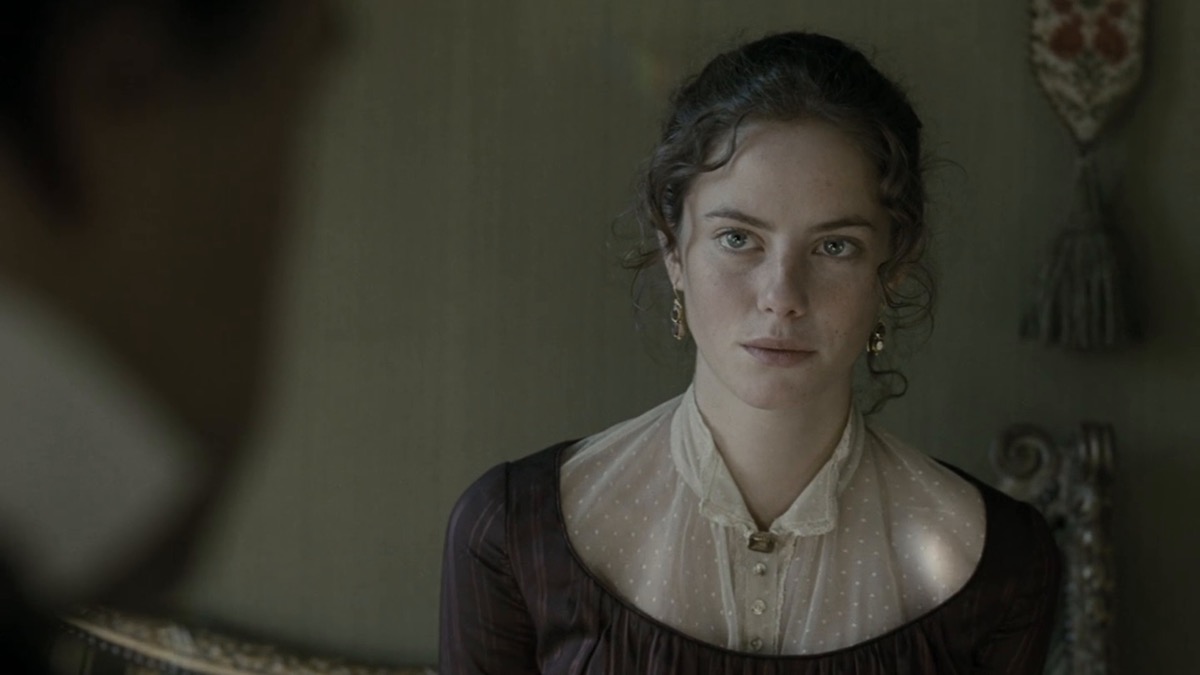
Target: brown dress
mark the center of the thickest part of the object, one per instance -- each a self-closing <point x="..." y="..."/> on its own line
<point x="517" y="599"/>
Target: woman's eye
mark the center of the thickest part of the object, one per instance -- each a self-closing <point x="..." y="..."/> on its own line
<point x="836" y="247"/>
<point x="734" y="240"/>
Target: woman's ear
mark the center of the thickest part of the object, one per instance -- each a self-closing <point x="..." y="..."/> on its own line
<point x="671" y="260"/>
<point x="892" y="277"/>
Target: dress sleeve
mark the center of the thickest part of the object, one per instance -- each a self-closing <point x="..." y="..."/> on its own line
<point x="485" y="626"/>
<point x="1020" y="642"/>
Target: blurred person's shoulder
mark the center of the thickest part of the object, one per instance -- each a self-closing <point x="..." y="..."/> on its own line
<point x="92" y="464"/>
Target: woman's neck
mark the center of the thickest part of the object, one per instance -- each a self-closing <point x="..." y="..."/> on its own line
<point x="771" y="454"/>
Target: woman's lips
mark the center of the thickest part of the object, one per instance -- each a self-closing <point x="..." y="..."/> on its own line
<point x="773" y="353"/>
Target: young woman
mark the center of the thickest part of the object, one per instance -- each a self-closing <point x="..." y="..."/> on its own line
<point x="756" y="523"/>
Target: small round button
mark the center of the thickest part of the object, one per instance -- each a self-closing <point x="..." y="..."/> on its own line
<point x="756" y="644"/>
<point x="760" y="569"/>
<point x="758" y="607"/>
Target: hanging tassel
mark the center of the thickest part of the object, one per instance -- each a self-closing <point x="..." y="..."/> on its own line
<point x="1079" y="303"/>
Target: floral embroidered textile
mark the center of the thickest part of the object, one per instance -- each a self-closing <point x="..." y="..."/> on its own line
<point x="1087" y="57"/>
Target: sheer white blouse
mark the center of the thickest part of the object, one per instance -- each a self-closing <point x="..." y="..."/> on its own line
<point x="880" y="536"/>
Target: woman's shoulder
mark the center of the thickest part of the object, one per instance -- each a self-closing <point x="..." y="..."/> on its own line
<point x="1021" y="566"/>
<point x="935" y="518"/>
<point x="1013" y="529"/>
<point x="1017" y="532"/>
<point x="916" y="481"/>
<point x="491" y="489"/>
<point x="534" y="478"/>
<point x="953" y="530"/>
<point x="618" y="438"/>
<point x="479" y="521"/>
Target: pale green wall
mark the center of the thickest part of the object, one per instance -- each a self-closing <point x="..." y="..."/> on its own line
<point x="455" y="303"/>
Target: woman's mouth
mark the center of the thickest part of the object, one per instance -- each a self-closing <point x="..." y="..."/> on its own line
<point x="777" y="352"/>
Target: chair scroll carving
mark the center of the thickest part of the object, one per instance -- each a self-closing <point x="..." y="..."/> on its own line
<point x="1070" y="483"/>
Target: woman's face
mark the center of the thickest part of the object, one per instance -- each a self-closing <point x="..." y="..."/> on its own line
<point x="776" y="265"/>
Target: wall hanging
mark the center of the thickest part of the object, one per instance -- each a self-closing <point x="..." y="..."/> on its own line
<point x="1087" y="58"/>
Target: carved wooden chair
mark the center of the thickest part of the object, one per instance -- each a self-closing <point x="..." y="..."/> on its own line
<point x="1070" y="482"/>
<point x="106" y="642"/>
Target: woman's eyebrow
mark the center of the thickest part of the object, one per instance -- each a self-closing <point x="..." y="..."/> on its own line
<point x="731" y="213"/>
<point x="848" y="221"/>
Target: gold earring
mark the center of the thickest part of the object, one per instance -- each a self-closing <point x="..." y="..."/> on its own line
<point x="875" y="343"/>
<point x="678" y="322"/>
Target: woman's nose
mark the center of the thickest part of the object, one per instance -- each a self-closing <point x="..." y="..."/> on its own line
<point x="783" y="288"/>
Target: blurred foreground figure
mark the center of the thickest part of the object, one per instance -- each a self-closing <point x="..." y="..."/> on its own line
<point x="145" y="152"/>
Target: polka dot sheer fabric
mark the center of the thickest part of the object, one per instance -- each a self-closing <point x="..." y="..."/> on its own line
<point x="882" y="535"/>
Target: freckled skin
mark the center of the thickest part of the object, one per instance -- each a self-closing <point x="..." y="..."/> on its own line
<point x="802" y="270"/>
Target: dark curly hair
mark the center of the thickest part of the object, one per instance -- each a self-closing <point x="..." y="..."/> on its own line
<point x="790" y="77"/>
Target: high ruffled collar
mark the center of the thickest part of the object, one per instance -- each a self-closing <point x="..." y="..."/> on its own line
<point x="701" y="466"/>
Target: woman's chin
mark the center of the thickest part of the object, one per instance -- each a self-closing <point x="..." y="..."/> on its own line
<point x="767" y="397"/>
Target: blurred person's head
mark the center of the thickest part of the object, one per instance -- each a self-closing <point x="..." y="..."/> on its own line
<point x="149" y="143"/>
<point x="146" y="148"/>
